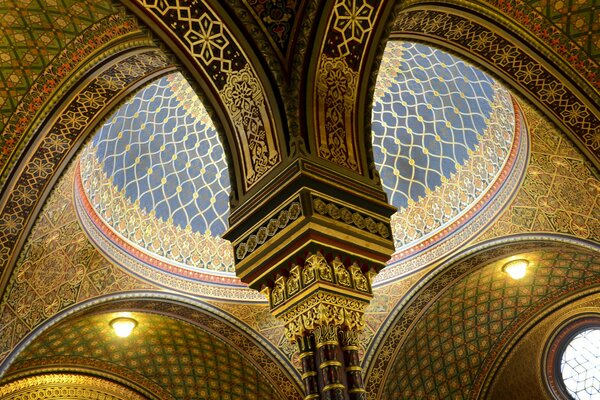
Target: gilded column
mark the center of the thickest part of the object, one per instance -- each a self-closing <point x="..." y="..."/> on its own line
<point x="306" y="347"/>
<point x="349" y="343"/>
<point x="314" y="257"/>
<point x="331" y="365"/>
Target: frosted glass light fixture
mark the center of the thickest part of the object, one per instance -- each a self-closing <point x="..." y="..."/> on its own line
<point x="123" y="326"/>
<point x="516" y="268"/>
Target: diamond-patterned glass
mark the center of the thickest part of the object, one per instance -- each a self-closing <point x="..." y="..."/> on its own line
<point x="580" y="365"/>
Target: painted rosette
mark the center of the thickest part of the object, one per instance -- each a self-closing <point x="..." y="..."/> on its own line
<point x="450" y="146"/>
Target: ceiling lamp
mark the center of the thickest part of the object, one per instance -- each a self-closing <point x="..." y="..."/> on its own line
<point x="516" y="268"/>
<point x="123" y="326"/>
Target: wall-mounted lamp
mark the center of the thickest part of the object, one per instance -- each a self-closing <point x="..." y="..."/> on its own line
<point x="123" y="326"/>
<point x="516" y="268"/>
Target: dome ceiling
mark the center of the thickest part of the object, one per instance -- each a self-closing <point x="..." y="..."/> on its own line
<point x="161" y="150"/>
<point x="443" y="139"/>
<point x="153" y="190"/>
<point x="153" y="184"/>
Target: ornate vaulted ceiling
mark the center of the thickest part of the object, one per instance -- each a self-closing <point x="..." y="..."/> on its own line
<point x="469" y="313"/>
<point x="242" y="97"/>
<point x="178" y="359"/>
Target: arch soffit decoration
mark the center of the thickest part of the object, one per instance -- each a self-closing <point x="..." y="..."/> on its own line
<point x="536" y="346"/>
<point x="225" y="66"/>
<point x="97" y="42"/>
<point x="488" y="39"/>
<point x="334" y="94"/>
<point x="337" y="76"/>
<point x="401" y="323"/>
<point x="58" y="139"/>
<point x="282" y="376"/>
<point x="45" y="384"/>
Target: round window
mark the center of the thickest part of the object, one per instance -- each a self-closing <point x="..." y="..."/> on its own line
<point x="573" y="360"/>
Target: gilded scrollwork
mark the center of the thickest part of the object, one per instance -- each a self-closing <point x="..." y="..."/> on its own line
<point x="309" y="274"/>
<point x="336" y="86"/>
<point x="317" y="269"/>
<point x="51" y="386"/>
<point x="360" y="280"/>
<point x="326" y="334"/>
<point x="349" y="339"/>
<point x="322" y="266"/>
<point x="278" y="293"/>
<point x="342" y="213"/>
<point x="293" y="281"/>
<point x="324" y="309"/>
<point x="342" y="275"/>
<point x="269" y="228"/>
<point x="244" y="99"/>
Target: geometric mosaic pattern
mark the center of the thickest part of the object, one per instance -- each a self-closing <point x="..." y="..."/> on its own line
<point x="577" y="20"/>
<point x="57" y="268"/>
<point x="42" y="44"/>
<point x="435" y="123"/>
<point x="161" y="150"/>
<point x="55" y="143"/>
<point x="184" y="360"/>
<point x="25" y="52"/>
<point x="560" y="192"/>
<point x="451" y="346"/>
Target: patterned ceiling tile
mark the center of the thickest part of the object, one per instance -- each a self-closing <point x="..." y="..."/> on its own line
<point x="35" y="35"/>
<point x="259" y="318"/>
<point x="186" y="361"/>
<point x="570" y="28"/>
<point x="576" y="18"/>
<point x="57" y="268"/>
<point x="560" y="192"/>
<point x="449" y="349"/>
